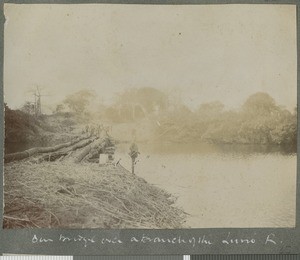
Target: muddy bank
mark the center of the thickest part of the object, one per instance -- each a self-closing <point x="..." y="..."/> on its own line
<point x="86" y="195"/>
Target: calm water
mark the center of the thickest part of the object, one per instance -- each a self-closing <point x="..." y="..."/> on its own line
<point x="223" y="186"/>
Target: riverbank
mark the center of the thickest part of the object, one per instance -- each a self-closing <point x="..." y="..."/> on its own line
<point x="86" y="195"/>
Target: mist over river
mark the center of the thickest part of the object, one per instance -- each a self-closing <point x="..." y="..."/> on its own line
<point x="222" y="185"/>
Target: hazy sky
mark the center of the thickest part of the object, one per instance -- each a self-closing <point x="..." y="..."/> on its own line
<point x="205" y="53"/>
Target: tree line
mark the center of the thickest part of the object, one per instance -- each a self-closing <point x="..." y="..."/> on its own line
<point x="259" y="121"/>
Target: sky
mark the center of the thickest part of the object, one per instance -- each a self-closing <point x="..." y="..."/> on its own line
<point x="198" y="53"/>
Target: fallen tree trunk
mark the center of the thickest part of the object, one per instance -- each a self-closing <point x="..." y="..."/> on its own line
<point x="36" y="150"/>
<point x="53" y="156"/>
<point x="80" y="145"/>
<point x="98" y="144"/>
<point x="56" y="155"/>
<point x="83" y="154"/>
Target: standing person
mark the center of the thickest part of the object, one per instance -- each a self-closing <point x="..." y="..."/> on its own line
<point x="133" y="153"/>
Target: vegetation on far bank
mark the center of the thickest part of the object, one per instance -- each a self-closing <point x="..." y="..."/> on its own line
<point x="259" y="121"/>
<point x="156" y="116"/>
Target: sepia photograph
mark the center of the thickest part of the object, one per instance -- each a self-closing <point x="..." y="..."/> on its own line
<point x="149" y="116"/>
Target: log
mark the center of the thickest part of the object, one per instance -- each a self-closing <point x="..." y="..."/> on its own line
<point x="98" y="144"/>
<point x="80" y="145"/>
<point x="83" y="154"/>
<point x="36" y="150"/>
<point x="53" y="156"/>
<point x="56" y="155"/>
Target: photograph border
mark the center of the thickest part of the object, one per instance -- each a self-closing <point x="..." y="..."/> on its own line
<point x="120" y="241"/>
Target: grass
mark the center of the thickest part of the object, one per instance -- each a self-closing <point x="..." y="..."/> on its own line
<point x="63" y="194"/>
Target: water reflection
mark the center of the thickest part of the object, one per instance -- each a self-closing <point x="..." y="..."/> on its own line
<point x="184" y="148"/>
<point x="205" y="148"/>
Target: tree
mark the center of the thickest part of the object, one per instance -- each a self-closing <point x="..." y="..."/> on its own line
<point x="136" y="103"/>
<point x="152" y="99"/>
<point x="28" y="108"/>
<point x="78" y="101"/>
<point x="260" y="103"/>
<point x="210" y="111"/>
<point x="59" y="108"/>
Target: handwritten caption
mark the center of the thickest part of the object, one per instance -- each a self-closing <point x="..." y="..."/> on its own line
<point x="227" y="240"/>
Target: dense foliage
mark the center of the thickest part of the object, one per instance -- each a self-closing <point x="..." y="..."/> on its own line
<point x="259" y="121"/>
<point x="135" y="104"/>
<point x="22" y="127"/>
<point x="77" y="102"/>
<point x="19" y="125"/>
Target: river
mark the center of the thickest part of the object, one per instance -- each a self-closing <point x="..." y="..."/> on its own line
<point x="222" y="185"/>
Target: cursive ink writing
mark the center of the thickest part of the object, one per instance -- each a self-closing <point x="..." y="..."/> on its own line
<point x="35" y="239"/>
<point x="270" y="239"/>
<point x="115" y="240"/>
<point x="171" y="240"/>
<point x="229" y="240"/>
<point x="78" y="238"/>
